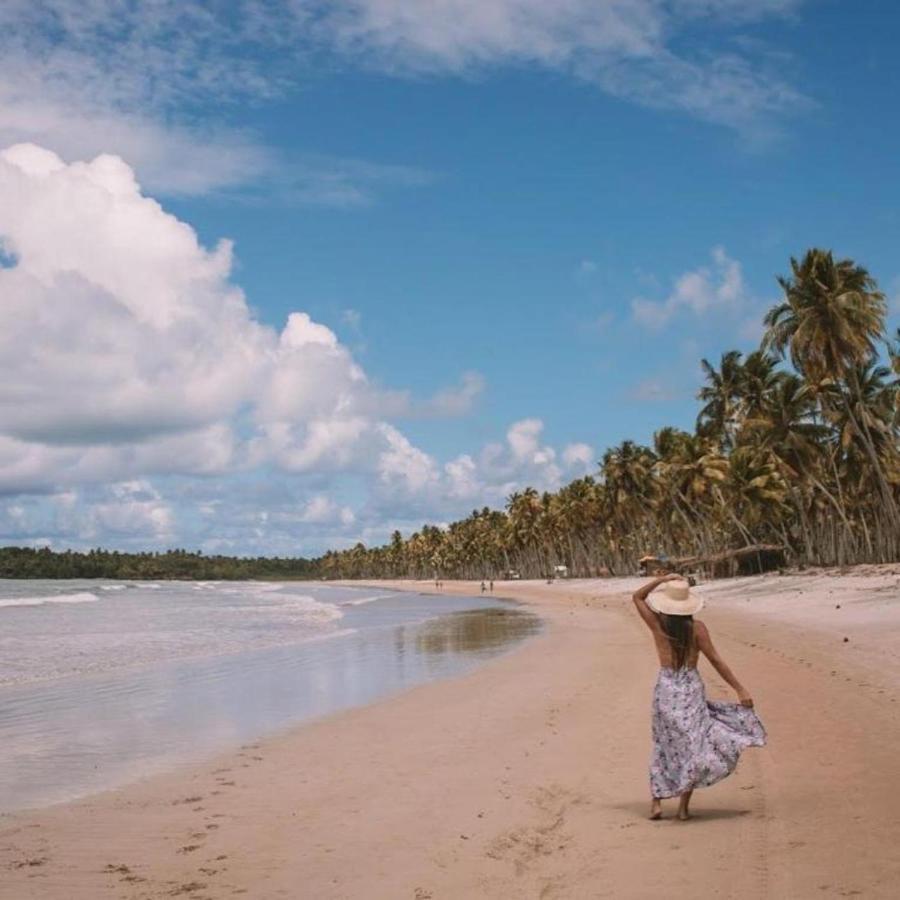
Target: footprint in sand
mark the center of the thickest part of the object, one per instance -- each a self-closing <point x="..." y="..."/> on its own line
<point x="121" y="869"/>
<point x="32" y="862"/>
<point x="188" y="888"/>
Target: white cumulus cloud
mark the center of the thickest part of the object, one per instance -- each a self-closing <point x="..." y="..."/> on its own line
<point x="116" y="322"/>
<point x="579" y="455"/>
<point x="131" y="364"/>
<point x="700" y="291"/>
<point x="126" y="348"/>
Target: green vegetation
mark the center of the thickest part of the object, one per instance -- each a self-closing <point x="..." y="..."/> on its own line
<point x="796" y="444"/>
<point x="25" y="562"/>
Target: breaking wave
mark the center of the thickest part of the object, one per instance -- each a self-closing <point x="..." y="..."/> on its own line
<point x="81" y="597"/>
<point x="304" y="607"/>
<point x="361" y="600"/>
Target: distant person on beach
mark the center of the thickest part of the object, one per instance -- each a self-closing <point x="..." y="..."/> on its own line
<point x="483" y="588"/>
<point x="492" y="585"/>
<point x="695" y="742"/>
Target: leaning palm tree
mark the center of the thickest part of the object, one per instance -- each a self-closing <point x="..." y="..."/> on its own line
<point x="801" y="447"/>
<point x="830" y="323"/>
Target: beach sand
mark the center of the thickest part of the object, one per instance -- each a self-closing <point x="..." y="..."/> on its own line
<point x="527" y="778"/>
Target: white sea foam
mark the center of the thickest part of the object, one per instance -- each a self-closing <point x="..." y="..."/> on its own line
<point x="81" y="597"/>
<point x="313" y="608"/>
<point x="173" y="622"/>
<point x="308" y="607"/>
<point x="361" y="600"/>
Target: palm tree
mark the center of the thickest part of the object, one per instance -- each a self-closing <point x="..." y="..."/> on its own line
<point x="758" y="379"/>
<point x="832" y="318"/>
<point x="830" y="324"/>
<point x="524" y="510"/>
<point x="808" y="457"/>
<point x="785" y="426"/>
<point x="687" y="468"/>
<point x="784" y="422"/>
<point x="753" y="492"/>
<point x="717" y="416"/>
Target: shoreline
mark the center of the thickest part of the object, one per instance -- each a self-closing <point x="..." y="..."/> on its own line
<point x="524" y="777"/>
<point x="71" y="737"/>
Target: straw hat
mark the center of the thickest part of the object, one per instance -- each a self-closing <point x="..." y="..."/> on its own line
<point x="674" y="598"/>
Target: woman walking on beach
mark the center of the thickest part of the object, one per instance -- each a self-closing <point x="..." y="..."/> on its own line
<point x="695" y="742"/>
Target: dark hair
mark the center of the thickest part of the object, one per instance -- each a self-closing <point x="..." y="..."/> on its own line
<point x="680" y="632"/>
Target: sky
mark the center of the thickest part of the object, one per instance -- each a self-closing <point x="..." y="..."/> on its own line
<point x="286" y="275"/>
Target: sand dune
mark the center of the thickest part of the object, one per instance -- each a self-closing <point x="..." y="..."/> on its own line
<point x="527" y="777"/>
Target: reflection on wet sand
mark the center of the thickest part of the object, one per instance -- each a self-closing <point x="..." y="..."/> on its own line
<point x="474" y="631"/>
<point x="72" y="736"/>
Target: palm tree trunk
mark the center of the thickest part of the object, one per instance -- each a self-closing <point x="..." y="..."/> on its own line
<point x="866" y="435"/>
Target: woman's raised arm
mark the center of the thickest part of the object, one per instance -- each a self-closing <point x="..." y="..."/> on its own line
<point x="640" y="600"/>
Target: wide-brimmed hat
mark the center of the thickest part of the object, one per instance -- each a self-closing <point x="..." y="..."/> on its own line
<point x="674" y="598"/>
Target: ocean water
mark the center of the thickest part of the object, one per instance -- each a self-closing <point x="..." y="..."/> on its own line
<point x="102" y="682"/>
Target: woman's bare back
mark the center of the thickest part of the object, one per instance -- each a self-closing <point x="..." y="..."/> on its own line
<point x="701" y="643"/>
<point x="666" y="652"/>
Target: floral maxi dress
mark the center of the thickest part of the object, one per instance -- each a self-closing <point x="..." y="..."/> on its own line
<point x="696" y="742"/>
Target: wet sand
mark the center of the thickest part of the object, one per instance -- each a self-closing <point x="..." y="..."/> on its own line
<point x="527" y="776"/>
<point x="68" y="738"/>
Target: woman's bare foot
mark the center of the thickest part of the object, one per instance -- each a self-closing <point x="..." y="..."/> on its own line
<point x="684" y="812"/>
<point x="656" y="809"/>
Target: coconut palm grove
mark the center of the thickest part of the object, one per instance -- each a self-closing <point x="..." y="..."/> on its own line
<point x="795" y="448"/>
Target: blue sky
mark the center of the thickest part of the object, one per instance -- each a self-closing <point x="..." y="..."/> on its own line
<point x="507" y="231"/>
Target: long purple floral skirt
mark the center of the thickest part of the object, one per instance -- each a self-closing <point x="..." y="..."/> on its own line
<point x="695" y="742"/>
